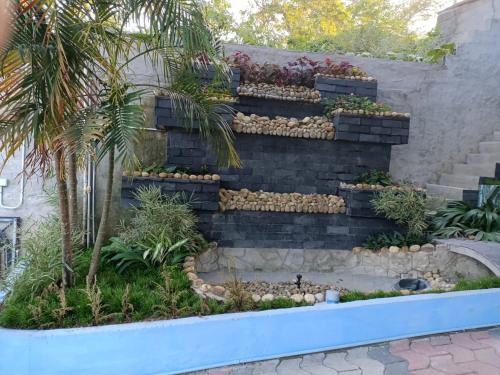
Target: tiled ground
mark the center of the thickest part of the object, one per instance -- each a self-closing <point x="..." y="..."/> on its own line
<point x="463" y="353"/>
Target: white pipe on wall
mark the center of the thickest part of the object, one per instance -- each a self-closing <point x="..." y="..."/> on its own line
<point x="21" y="197"/>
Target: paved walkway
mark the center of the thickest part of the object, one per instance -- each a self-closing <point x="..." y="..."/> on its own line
<point x="463" y="353"/>
<point x="487" y="253"/>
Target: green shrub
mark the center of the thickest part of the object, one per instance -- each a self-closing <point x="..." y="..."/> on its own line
<point x="41" y="261"/>
<point x="459" y="219"/>
<point x="406" y="208"/>
<point x="353" y="103"/>
<point x="162" y="231"/>
<point x="375" y="177"/>
<point x="378" y="241"/>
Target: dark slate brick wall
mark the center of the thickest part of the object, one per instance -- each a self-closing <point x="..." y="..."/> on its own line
<point x="167" y="118"/>
<point x="358" y="202"/>
<point x="282" y="164"/>
<point x="207" y="76"/>
<point x="331" y="88"/>
<point x="358" y="128"/>
<point x="252" y="229"/>
<point x="203" y="195"/>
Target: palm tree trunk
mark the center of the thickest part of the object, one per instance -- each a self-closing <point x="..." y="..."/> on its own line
<point x="64" y="219"/>
<point x="103" y="224"/>
<point x="73" y="195"/>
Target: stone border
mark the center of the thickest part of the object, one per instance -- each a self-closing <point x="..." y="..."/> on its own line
<point x="403" y="263"/>
<point x="220" y="293"/>
<point x="375" y="188"/>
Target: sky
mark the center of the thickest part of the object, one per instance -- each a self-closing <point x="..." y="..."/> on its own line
<point x="422" y="26"/>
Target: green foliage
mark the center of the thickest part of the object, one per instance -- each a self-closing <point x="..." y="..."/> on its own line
<point x="378" y="241"/>
<point x="372" y="28"/>
<point x="161" y="231"/>
<point x="375" y="177"/>
<point x="487" y="282"/>
<point x="406" y="208"/>
<point x="437" y="55"/>
<point x="41" y="262"/>
<point x="353" y="103"/>
<point x="360" y="296"/>
<point x="459" y="219"/>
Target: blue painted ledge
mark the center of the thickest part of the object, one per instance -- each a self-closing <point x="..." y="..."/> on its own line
<point x="176" y="346"/>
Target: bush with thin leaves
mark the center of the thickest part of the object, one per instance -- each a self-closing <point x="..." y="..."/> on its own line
<point x="459" y="219"/>
<point x="161" y="231"/>
<point x="405" y="208"/>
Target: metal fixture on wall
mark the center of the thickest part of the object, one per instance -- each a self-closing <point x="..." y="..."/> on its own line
<point x="23" y="177"/>
<point x="9" y="249"/>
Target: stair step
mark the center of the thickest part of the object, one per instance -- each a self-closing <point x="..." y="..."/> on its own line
<point x="460" y="181"/>
<point x="489" y="147"/>
<point x="484" y="158"/>
<point x="475" y="169"/>
<point x="445" y="192"/>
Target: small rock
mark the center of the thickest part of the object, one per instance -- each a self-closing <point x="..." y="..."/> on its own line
<point x="192" y="276"/>
<point x="405" y="292"/>
<point x="205" y="288"/>
<point x="256" y="298"/>
<point x="189" y="269"/>
<point x="218" y="290"/>
<point x="427" y="247"/>
<point x="394" y="249"/>
<point x="298" y="298"/>
<point x="357" y="250"/>
<point x="319" y="297"/>
<point x="197" y="283"/>
<point x="309" y="298"/>
<point x="414" y="248"/>
<point x="267" y="297"/>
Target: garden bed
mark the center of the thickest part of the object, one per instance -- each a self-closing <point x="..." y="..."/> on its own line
<point x="168" y="347"/>
<point x="202" y="193"/>
<point x="331" y="87"/>
<point x="317" y="127"/>
<point x="387" y="128"/>
<point x="284" y="93"/>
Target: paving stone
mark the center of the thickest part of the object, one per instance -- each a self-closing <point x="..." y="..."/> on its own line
<point x="465" y="340"/>
<point x="337" y="361"/>
<point x="459" y="353"/>
<point x="480" y="335"/>
<point x="426" y="348"/>
<point x="399" y="346"/>
<point x="265" y="367"/>
<point x="440" y="340"/>
<point x="368" y="366"/>
<point x="495" y="332"/>
<point x="351" y="372"/>
<point x="446" y="365"/>
<point x="491" y="343"/>
<point x="488" y="356"/>
<point x="428" y="371"/>
<point x="481" y="368"/>
<point x="312" y="359"/>
<point x="290" y="366"/>
<point x="416" y="361"/>
<point x="383" y="355"/>
<point x="319" y="370"/>
<point x="397" y="368"/>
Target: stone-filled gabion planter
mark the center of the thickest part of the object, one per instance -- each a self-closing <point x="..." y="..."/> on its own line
<point x="357" y="126"/>
<point x="358" y="197"/>
<point x="167" y="118"/>
<point x="208" y="75"/>
<point x="246" y="200"/>
<point x="202" y="193"/>
<point x="333" y="86"/>
<point x="286" y="93"/>
<point x="316" y="127"/>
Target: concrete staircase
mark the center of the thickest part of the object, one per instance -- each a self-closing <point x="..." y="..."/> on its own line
<point x="466" y="175"/>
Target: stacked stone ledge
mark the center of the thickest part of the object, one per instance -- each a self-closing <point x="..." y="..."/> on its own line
<point x="315" y="127"/>
<point x="274" y="92"/>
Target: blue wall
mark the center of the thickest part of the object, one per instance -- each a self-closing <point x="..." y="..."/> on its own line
<point x="176" y="346"/>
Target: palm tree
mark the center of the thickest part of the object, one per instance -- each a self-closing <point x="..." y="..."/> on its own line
<point x="65" y="88"/>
